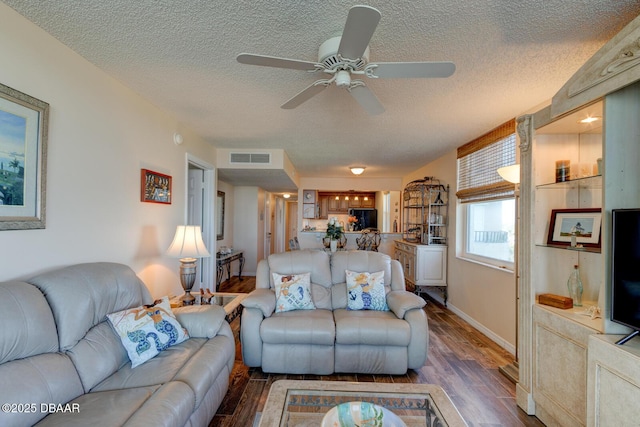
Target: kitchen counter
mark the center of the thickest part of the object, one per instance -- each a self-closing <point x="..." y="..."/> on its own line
<point x="312" y="239"/>
<point x="324" y="231"/>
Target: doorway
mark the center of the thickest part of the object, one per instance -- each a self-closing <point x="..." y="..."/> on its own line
<point x="291" y="221"/>
<point x="200" y="208"/>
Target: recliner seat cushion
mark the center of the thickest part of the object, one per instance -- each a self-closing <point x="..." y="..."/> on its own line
<point x="167" y="405"/>
<point x="44" y="378"/>
<point x="367" y="327"/>
<point x="299" y="327"/>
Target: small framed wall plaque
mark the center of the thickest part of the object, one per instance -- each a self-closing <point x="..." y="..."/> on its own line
<point x="155" y="187"/>
<point x="309" y="196"/>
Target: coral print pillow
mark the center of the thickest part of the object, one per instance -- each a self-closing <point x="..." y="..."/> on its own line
<point x="365" y="291"/>
<point x="293" y="292"/>
<point x="147" y="330"/>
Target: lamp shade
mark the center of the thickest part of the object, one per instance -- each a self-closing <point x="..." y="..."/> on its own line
<point x="187" y="243"/>
<point x="510" y="173"/>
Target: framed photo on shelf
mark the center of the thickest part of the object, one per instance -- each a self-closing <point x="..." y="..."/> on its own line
<point x="155" y="187"/>
<point x="24" y="124"/>
<point x="584" y="224"/>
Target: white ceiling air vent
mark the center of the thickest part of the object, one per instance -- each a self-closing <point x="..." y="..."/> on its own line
<point x="254" y="158"/>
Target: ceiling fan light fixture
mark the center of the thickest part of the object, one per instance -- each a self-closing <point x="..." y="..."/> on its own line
<point x="343" y="79"/>
<point x="347" y="54"/>
<point x="357" y="170"/>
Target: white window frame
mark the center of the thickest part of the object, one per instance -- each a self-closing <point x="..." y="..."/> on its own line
<point x="466" y="235"/>
<point x="478" y="182"/>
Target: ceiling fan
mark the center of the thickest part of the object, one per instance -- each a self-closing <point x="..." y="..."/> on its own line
<point x="344" y="57"/>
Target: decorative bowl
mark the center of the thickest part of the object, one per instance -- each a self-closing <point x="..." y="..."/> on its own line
<point x="361" y="414"/>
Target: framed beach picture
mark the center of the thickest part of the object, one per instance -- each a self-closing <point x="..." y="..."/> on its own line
<point x="155" y="187"/>
<point x="584" y="224"/>
<point x="24" y="123"/>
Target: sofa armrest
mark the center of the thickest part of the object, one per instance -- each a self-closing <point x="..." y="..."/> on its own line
<point x="400" y="302"/>
<point x="261" y="299"/>
<point x="408" y="306"/>
<point x="201" y="321"/>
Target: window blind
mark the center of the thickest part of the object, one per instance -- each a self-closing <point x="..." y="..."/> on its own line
<point x="479" y="160"/>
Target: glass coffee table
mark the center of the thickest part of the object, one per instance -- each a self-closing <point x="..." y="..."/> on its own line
<point x="304" y="403"/>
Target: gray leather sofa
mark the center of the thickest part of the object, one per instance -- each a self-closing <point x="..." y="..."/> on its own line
<point x="62" y="364"/>
<point x="331" y="338"/>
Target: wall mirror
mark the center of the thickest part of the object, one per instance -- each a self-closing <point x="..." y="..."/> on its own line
<point x="220" y="215"/>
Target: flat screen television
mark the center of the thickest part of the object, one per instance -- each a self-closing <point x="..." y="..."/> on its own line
<point x="625" y="270"/>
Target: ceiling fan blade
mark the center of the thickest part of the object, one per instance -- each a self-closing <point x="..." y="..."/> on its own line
<point x="272" y="61"/>
<point x="306" y="94"/>
<point x="360" y="26"/>
<point x="367" y="99"/>
<point x="410" y="70"/>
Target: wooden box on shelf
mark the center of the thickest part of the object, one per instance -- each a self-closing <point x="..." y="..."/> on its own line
<point x="555" y="301"/>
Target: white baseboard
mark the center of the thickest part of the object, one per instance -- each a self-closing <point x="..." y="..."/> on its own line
<point x="488" y="332"/>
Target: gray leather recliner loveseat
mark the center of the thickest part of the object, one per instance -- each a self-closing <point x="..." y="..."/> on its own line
<point x="62" y="364"/>
<point x="332" y="338"/>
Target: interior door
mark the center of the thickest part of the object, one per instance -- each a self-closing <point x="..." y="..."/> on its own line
<point x="268" y="225"/>
<point x="291" y="221"/>
<point x="195" y="195"/>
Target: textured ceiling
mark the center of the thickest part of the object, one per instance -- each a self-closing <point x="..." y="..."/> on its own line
<point x="510" y="56"/>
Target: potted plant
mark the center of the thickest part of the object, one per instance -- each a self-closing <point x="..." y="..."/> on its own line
<point x="334" y="233"/>
<point x="352" y="222"/>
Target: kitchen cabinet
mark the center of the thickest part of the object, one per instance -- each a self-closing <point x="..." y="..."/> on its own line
<point x="323" y="207"/>
<point x="369" y="202"/>
<point x="359" y="201"/>
<point x="338" y="205"/>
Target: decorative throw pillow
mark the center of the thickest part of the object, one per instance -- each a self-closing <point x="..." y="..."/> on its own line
<point x="365" y="291"/>
<point x="293" y="292"/>
<point x="147" y="330"/>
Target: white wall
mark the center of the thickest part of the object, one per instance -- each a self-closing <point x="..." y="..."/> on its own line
<point x="229" y="207"/>
<point x="248" y="226"/>
<point x="100" y="135"/>
<point x="484" y="296"/>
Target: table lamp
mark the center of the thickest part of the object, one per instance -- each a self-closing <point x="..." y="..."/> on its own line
<point x="188" y="246"/>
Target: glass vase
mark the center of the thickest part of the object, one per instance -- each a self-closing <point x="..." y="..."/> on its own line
<point x="575" y="287"/>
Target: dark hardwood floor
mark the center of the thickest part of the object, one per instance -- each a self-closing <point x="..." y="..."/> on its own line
<point x="461" y="360"/>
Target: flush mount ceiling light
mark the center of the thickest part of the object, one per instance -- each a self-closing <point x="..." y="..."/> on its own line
<point x="286" y="195"/>
<point x="357" y="170"/>
<point x="590" y="119"/>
